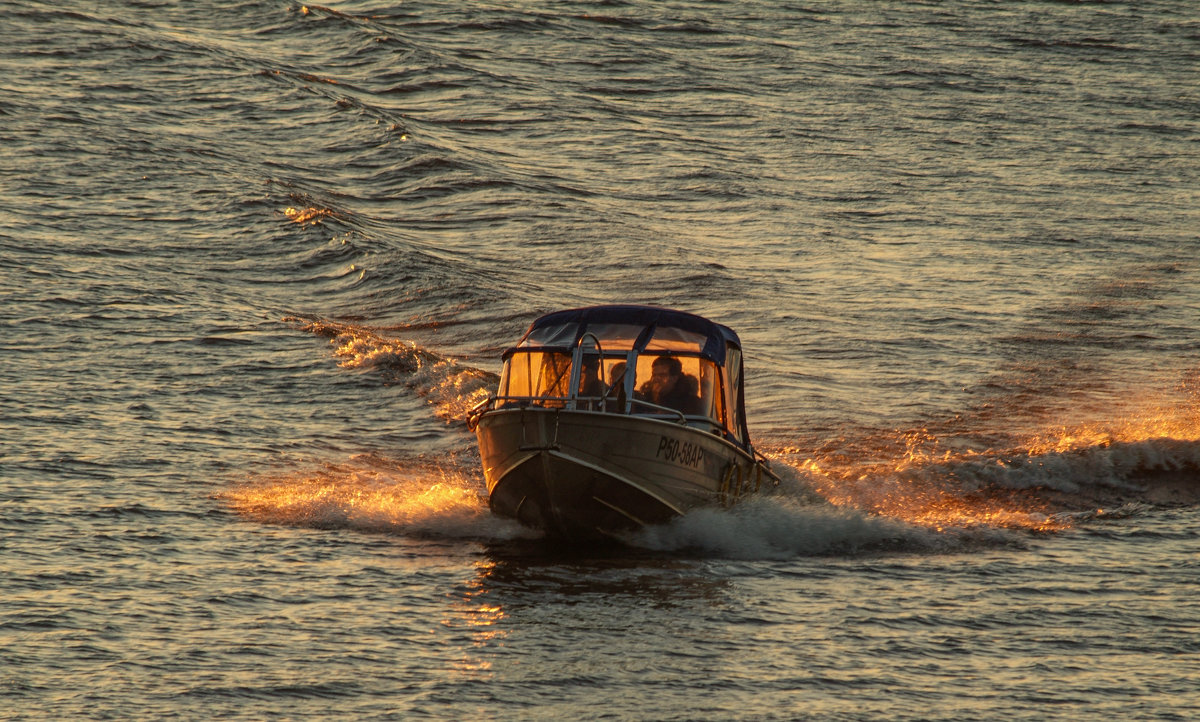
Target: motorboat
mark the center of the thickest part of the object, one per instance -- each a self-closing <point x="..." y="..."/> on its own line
<point x="611" y="418"/>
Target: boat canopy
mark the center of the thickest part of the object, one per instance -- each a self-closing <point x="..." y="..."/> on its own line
<point x="638" y="328"/>
<point x="603" y="358"/>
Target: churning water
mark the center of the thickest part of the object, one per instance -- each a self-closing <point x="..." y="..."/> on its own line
<point x="258" y="258"/>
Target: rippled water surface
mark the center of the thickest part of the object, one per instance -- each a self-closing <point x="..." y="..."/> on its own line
<point x="259" y="258"/>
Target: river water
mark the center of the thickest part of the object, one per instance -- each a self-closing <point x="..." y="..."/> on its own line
<point x="258" y="258"/>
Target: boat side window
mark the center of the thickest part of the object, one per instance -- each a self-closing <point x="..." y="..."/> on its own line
<point x="711" y="394"/>
<point x="544" y="375"/>
<point x="514" y="377"/>
<point x="733" y="372"/>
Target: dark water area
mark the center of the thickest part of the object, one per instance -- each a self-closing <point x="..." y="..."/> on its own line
<point x="258" y="259"/>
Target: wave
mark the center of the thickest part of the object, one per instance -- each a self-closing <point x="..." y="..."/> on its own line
<point x="450" y="387"/>
<point x="781" y="527"/>
<point x="370" y="493"/>
<point x="1040" y="482"/>
<point x="950" y="494"/>
<point x="927" y="490"/>
<point x="441" y="501"/>
<point x="943" y="507"/>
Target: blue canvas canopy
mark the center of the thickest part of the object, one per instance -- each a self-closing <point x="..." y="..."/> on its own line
<point x="564" y="329"/>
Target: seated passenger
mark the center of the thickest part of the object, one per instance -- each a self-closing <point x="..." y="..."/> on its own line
<point x="616" y="376"/>
<point x="669" y="386"/>
<point x="616" y="386"/>
<point x="589" y="378"/>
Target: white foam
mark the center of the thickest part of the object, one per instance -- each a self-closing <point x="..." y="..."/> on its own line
<point x="781" y="527"/>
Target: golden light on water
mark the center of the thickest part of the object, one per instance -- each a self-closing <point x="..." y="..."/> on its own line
<point x="944" y="511"/>
<point x="482" y="620"/>
<point x="924" y="496"/>
<point x="457" y="391"/>
<point x="371" y="494"/>
<point x="309" y="215"/>
<point x="1178" y="423"/>
<point x="956" y="480"/>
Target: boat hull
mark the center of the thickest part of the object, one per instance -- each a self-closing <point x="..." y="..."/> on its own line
<point x="585" y="475"/>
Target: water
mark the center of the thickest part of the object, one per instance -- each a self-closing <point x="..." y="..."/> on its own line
<point x="259" y="258"/>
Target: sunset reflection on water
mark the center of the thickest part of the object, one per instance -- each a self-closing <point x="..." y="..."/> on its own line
<point x="368" y="493"/>
<point x="950" y="479"/>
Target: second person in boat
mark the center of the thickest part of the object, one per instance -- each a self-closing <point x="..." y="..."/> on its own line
<point x="669" y="386"/>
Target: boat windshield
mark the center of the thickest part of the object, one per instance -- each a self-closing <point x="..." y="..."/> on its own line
<point x="630" y="360"/>
<point x="659" y="384"/>
<point x="688" y="384"/>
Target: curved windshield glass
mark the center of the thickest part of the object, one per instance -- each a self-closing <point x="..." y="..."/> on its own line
<point x="689" y="384"/>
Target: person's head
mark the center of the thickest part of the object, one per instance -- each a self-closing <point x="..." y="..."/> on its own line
<point x="664" y="374"/>
<point x="616" y="374"/>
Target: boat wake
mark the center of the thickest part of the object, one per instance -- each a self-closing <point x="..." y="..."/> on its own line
<point x="450" y="387"/>
<point x="953" y="478"/>
<point x="783" y="526"/>
<point x="920" y="503"/>
<point x="939" y="488"/>
<point x="373" y="494"/>
<point x="946" y="502"/>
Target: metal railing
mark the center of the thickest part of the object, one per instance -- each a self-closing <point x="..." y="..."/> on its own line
<point x="495" y="403"/>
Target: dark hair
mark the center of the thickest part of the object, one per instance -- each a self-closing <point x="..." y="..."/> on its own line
<point x="671" y="363"/>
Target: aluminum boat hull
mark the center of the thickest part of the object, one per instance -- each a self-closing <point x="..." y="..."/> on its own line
<point x="582" y="475"/>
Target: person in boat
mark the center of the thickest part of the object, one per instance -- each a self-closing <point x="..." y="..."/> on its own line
<point x="591" y="386"/>
<point x="615" y="390"/>
<point x="616" y="376"/>
<point x="669" y="386"/>
<point x="589" y="378"/>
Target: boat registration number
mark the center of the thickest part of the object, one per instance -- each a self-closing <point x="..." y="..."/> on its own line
<point x="680" y="452"/>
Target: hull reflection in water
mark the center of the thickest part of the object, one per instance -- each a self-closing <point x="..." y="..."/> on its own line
<point x="582" y="458"/>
